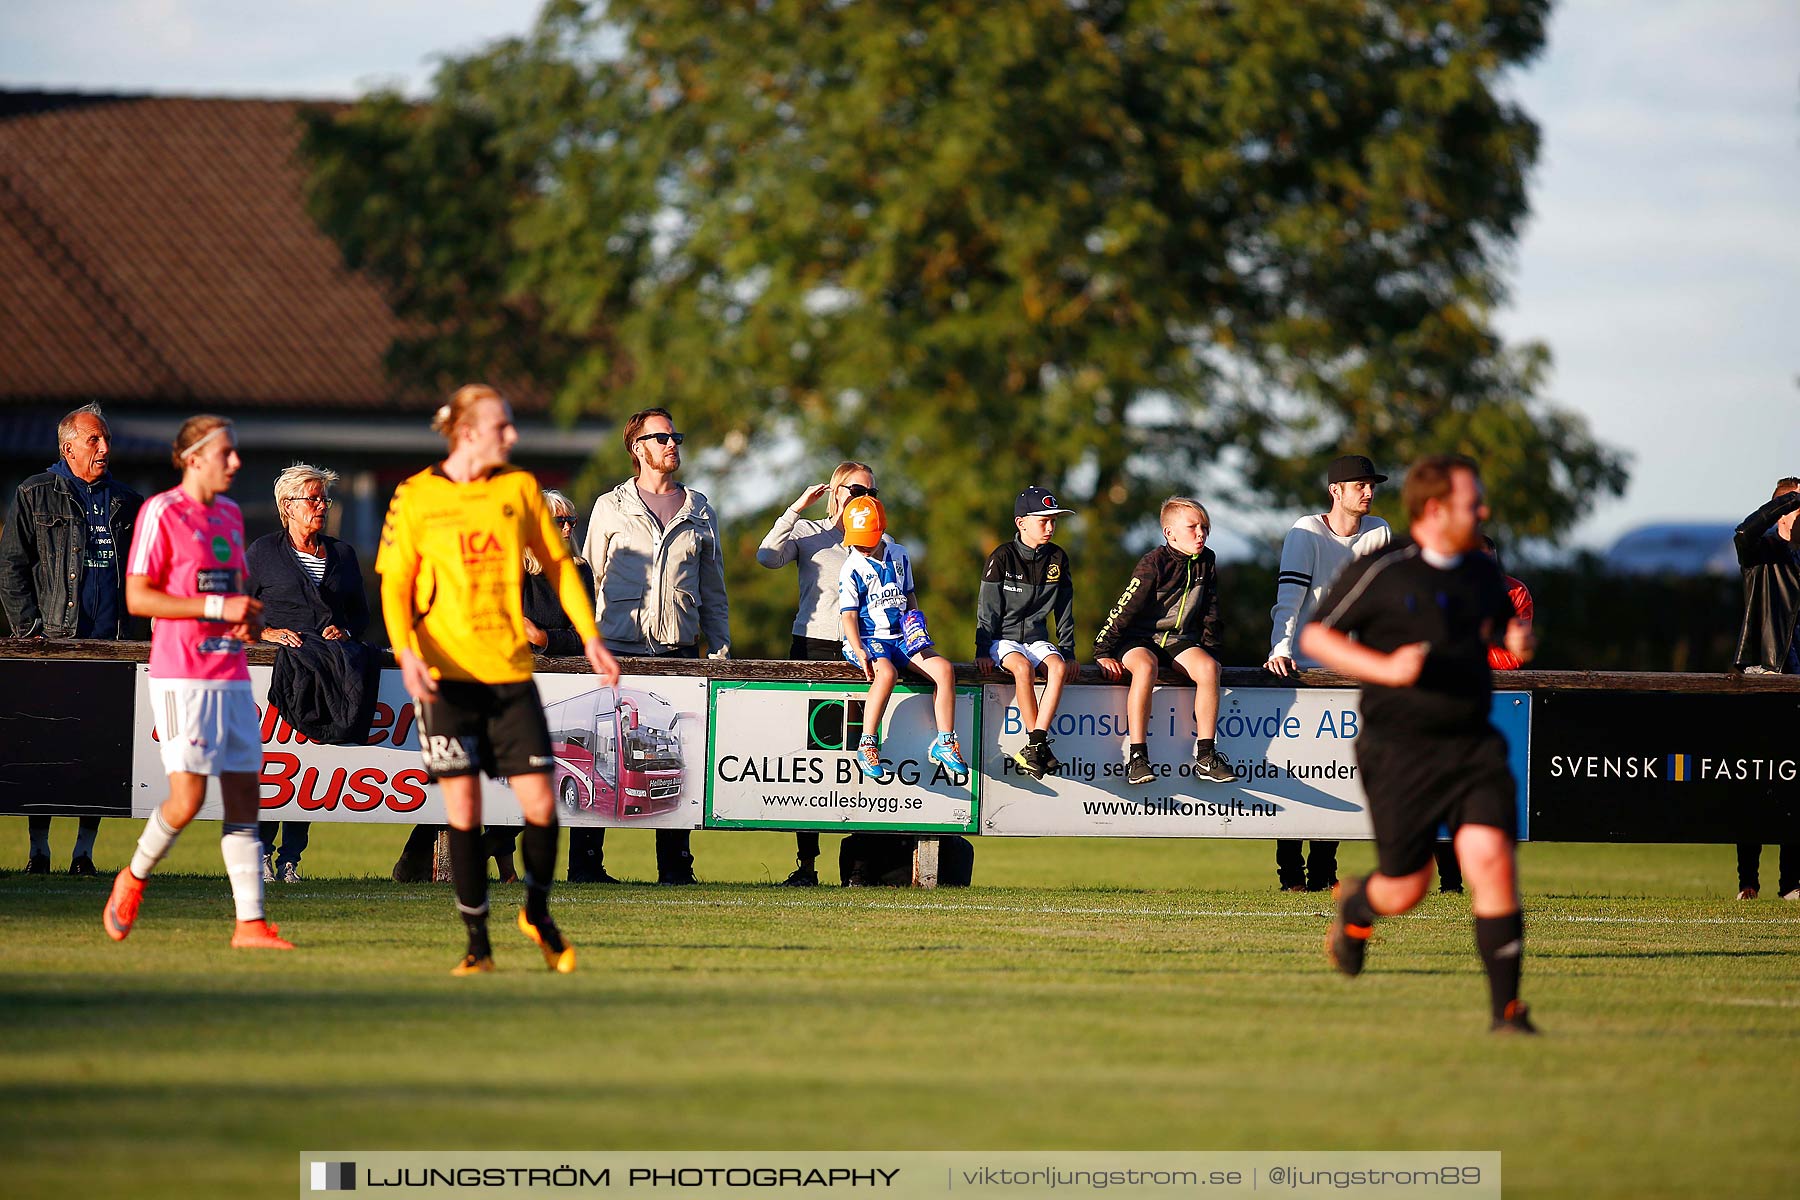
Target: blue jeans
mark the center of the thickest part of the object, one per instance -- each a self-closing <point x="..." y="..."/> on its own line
<point x="293" y="842"/>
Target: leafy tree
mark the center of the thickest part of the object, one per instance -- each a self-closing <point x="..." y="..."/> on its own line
<point x="1119" y="248"/>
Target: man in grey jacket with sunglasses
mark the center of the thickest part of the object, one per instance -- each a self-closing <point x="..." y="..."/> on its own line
<point x="659" y="571"/>
<point x="659" y="584"/>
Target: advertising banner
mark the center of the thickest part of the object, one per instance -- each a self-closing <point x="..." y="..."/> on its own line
<point x="1294" y="750"/>
<point x="628" y="756"/>
<point x="784" y="757"/>
<point x="1666" y="767"/>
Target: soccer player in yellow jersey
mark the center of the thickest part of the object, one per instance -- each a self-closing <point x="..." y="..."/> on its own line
<point x="452" y="553"/>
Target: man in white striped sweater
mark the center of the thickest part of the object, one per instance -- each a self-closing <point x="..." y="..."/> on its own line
<point x="1314" y="551"/>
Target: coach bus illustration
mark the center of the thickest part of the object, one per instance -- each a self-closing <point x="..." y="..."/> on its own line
<point x="617" y="751"/>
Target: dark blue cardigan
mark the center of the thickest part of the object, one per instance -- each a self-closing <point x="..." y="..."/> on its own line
<point x="291" y="600"/>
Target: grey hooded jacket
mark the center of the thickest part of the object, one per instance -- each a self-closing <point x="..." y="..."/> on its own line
<point x="657" y="589"/>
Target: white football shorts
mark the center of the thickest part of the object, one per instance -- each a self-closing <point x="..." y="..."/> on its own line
<point x="1034" y="652"/>
<point x="206" y="728"/>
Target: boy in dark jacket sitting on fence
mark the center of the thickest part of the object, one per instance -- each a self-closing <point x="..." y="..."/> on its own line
<point x="1025" y="586"/>
<point x="1168" y="616"/>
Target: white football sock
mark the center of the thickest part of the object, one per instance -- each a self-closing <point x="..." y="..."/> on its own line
<point x="153" y="846"/>
<point x="243" y="862"/>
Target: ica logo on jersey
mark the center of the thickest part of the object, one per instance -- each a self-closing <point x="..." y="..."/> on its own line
<point x="477" y="544"/>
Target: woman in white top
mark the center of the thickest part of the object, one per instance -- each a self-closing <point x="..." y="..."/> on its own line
<point x="817" y="548"/>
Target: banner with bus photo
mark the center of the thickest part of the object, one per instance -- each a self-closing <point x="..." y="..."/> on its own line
<point x="632" y="756"/>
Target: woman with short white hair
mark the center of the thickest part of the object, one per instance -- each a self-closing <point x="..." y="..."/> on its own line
<point x="308" y="583"/>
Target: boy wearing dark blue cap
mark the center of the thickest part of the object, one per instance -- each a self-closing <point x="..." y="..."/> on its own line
<point x="1025" y="587"/>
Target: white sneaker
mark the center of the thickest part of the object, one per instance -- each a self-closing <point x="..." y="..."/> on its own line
<point x="290" y="872"/>
<point x="1791" y="895"/>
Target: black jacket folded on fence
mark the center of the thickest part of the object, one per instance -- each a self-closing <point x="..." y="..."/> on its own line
<point x="1771" y="587"/>
<point x="327" y="689"/>
<point x="324" y="689"/>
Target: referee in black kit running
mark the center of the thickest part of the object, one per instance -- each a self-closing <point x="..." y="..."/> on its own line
<point x="1413" y="622"/>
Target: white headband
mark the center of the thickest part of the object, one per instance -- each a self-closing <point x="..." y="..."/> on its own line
<point x="195" y="448"/>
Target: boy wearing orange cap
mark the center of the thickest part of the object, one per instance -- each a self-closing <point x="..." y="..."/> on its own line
<point x="884" y="630"/>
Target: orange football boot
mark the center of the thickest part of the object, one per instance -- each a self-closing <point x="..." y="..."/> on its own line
<point x="559" y="955"/>
<point x="122" y="906"/>
<point x="258" y="935"/>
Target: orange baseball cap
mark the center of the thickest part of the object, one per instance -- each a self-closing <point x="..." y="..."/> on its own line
<point x="864" y="522"/>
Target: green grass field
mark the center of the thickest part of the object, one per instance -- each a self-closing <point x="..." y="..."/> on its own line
<point x="1084" y="995"/>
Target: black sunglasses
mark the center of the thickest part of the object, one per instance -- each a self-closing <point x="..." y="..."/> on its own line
<point x="662" y="439"/>
<point x="857" y="489"/>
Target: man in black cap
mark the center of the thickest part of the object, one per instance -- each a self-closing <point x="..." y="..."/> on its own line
<point x="1025" y="587"/>
<point x="1314" y="551"/>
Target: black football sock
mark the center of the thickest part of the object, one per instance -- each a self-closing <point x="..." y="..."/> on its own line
<point x="537" y="847"/>
<point x="1202" y="747"/>
<point x="1142" y="748"/>
<point x="1355" y="904"/>
<point x="1501" y="941"/>
<point x="1037" y="737"/>
<point x="468" y="874"/>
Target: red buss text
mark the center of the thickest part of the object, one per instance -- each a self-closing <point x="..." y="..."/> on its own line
<point x="285" y="781"/>
<point x="365" y="789"/>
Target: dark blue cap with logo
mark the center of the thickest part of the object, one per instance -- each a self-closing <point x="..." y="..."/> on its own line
<point x="1037" y="502"/>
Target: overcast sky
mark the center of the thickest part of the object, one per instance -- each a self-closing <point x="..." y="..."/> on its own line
<point x="1662" y="265"/>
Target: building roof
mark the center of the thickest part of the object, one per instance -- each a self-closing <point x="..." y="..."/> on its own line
<point x="155" y="250"/>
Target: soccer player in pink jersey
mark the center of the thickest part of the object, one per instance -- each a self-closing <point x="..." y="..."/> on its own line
<point x="186" y="570"/>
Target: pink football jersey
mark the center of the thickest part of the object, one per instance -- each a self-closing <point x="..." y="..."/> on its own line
<point x="186" y="548"/>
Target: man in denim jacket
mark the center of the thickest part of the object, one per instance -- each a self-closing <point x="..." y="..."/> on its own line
<point x="62" y="569"/>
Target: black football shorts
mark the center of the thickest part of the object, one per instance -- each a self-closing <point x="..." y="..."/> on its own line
<point x="1417" y="784"/>
<point x="496" y="728"/>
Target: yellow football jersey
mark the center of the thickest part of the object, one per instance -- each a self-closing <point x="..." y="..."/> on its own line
<point x="452" y="563"/>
